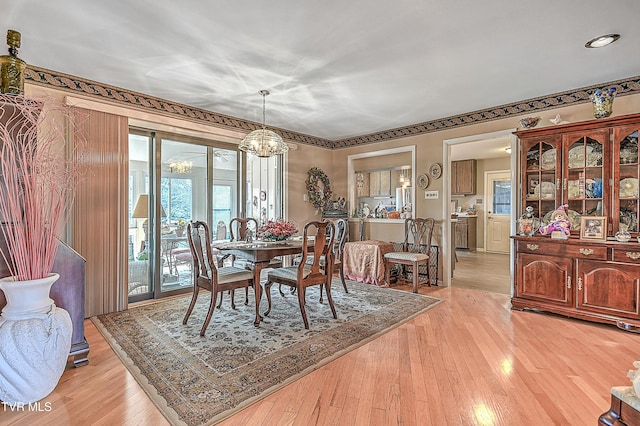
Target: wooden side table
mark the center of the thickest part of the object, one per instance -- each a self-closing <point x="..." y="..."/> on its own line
<point x="363" y="261"/>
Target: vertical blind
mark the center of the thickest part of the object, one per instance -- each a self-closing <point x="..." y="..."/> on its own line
<point x="98" y="223"/>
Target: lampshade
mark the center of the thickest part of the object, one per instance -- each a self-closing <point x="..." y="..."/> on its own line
<point x="263" y="142"/>
<point x="141" y="210"/>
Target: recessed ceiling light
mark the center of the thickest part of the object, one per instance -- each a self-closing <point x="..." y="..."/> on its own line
<point x="602" y="40"/>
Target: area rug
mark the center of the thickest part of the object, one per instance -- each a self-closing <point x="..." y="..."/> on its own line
<point x="197" y="380"/>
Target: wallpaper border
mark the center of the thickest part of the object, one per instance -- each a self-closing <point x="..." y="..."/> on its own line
<point x="68" y="83"/>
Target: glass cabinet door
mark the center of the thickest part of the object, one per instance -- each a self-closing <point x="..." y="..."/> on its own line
<point x="625" y="179"/>
<point x="541" y="176"/>
<point x="585" y="177"/>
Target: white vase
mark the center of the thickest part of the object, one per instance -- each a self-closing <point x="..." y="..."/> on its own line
<point x="35" y="340"/>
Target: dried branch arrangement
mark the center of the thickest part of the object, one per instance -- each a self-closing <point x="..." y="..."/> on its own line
<point x="39" y="172"/>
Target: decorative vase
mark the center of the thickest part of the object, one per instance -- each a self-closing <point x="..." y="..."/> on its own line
<point x="623" y="234"/>
<point x="12" y="68"/>
<point x="35" y="340"/>
<point x="526" y="227"/>
<point x="602" y="101"/>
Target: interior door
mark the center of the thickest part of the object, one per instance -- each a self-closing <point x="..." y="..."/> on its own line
<point x="497" y="221"/>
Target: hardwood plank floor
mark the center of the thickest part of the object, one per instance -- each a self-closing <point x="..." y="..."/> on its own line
<point x="482" y="271"/>
<point x="469" y="361"/>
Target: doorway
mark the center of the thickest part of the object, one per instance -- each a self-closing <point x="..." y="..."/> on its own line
<point x="483" y="148"/>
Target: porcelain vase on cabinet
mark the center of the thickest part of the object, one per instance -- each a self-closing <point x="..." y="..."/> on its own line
<point x="35" y="340"/>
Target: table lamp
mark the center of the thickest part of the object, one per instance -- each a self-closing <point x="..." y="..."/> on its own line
<point x="141" y="211"/>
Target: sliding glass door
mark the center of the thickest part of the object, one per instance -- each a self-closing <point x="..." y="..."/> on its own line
<point x="190" y="180"/>
<point x="197" y="182"/>
<point x="140" y="251"/>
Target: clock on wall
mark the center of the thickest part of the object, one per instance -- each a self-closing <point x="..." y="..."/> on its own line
<point x="435" y="170"/>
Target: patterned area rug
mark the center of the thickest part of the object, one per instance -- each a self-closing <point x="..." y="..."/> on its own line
<point x="201" y="380"/>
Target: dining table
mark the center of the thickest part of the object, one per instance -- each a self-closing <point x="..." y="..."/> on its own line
<point x="260" y="253"/>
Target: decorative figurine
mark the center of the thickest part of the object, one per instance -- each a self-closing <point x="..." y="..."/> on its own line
<point x="559" y="226"/>
<point x="11" y="67"/>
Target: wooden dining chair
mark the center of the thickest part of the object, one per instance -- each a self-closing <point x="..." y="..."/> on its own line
<point x="416" y="250"/>
<point x="308" y="274"/>
<point x="239" y="227"/>
<point x="341" y="227"/>
<point x="208" y="275"/>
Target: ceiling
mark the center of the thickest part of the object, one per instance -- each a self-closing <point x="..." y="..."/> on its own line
<point x="481" y="149"/>
<point x="336" y="69"/>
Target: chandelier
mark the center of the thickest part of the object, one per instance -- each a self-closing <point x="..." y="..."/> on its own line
<point x="263" y="142"/>
<point x="181" y="167"/>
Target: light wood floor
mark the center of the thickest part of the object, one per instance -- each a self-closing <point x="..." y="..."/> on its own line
<point x="469" y="361"/>
<point x="482" y="271"/>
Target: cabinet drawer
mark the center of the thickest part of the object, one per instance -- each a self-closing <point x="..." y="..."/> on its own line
<point x="565" y="250"/>
<point x="626" y="255"/>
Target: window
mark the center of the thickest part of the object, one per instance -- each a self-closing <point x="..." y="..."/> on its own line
<point x="222" y="203"/>
<point x="502" y="197"/>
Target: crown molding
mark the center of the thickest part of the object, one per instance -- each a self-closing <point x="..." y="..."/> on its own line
<point x="77" y="85"/>
<point x="624" y="87"/>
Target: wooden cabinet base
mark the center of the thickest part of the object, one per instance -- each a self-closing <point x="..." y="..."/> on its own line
<point x="521" y="304"/>
<point x="80" y="353"/>
<point x="620" y="413"/>
<point x="579" y="279"/>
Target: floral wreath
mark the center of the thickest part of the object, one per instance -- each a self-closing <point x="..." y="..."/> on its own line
<point x="318" y="197"/>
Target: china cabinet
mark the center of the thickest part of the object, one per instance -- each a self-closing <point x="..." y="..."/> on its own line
<point x="463" y="177"/>
<point x="592" y="168"/>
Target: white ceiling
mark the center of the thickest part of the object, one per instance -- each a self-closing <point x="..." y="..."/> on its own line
<point x="479" y="150"/>
<point x="335" y="68"/>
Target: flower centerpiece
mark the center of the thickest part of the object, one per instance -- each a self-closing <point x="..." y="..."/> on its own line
<point x="180" y="227"/>
<point x="277" y="230"/>
<point x="603" y="102"/>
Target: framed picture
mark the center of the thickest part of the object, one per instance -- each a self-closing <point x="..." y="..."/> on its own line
<point x="533" y="184"/>
<point x="593" y="228"/>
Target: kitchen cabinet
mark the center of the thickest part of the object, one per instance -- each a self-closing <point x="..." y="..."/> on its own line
<point x="380" y="183"/>
<point x="463" y="177"/>
<point x="591" y="167"/>
<point x="362" y="184"/>
<point x="465" y="233"/>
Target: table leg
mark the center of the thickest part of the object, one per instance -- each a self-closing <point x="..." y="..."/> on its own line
<point x="257" y="268"/>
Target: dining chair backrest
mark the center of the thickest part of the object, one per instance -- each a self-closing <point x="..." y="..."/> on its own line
<point x="238" y="227"/>
<point x="341" y="227"/>
<point x="200" y="245"/>
<point x="322" y="248"/>
<point x="418" y="232"/>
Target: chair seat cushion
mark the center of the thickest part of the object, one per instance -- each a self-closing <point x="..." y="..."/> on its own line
<point x="287" y="275"/>
<point x="406" y="256"/>
<point x="229" y="274"/>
